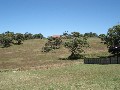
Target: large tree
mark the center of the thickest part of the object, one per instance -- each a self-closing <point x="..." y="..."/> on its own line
<point x="76" y="46"/>
<point x="113" y="39"/>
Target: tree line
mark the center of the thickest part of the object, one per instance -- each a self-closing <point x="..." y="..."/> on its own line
<point x="8" y="38"/>
<point x="75" y="41"/>
<point x="89" y="34"/>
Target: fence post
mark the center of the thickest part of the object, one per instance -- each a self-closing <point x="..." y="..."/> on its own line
<point x="118" y="60"/>
<point x="110" y="60"/>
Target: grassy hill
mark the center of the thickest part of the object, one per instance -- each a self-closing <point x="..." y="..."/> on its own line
<point x="29" y="54"/>
<point x="97" y="48"/>
<point x="25" y="67"/>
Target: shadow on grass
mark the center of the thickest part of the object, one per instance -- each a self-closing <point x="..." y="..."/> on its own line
<point x="72" y="58"/>
<point x="17" y="43"/>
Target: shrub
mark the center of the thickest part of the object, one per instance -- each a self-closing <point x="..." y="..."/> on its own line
<point x="53" y="43"/>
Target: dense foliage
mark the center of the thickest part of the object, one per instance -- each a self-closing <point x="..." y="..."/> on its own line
<point x="38" y="36"/>
<point x="113" y="39"/>
<point x="52" y="43"/>
<point x="5" y="41"/>
<point x="102" y="37"/>
<point x="18" y="37"/>
<point x="76" y="46"/>
<point x="91" y="34"/>
<point x="8" y="38"/>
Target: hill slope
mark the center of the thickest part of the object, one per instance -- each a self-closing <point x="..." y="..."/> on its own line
<point x="25" y="67"/>
<point x="29" y="54"/>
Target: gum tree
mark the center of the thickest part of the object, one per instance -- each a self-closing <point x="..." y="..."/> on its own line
<point x="76" y="46"/>
<point x="113" y="40"/>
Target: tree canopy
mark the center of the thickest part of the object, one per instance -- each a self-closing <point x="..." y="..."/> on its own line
<point x="76" y="46"/>
<point x="8" y="38"/>
<point x="112" y="39"/>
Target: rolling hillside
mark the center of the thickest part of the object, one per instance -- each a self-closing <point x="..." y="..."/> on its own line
<point x="25" y="67"/>
<point x="29" y="55"/>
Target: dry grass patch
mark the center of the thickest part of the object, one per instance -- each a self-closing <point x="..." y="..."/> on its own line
<point x="29" y="54"/>
<point x="96" y="48"/>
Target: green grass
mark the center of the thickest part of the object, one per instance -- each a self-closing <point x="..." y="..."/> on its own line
<point x="74" y="77"/>
<point x="25" y="67"/>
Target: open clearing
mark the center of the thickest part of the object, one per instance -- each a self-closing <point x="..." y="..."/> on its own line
<point x="25" y="67"/>
<point x="74" y="77"/>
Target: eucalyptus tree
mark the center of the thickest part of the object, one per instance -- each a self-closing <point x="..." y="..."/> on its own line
<point x="76" y="47"/>
<point x="112" y="40"/>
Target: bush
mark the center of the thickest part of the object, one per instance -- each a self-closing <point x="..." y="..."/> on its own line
<point x="5" y="41"/>
<point x="18" y="38"/>
<point x="53" y="43"/>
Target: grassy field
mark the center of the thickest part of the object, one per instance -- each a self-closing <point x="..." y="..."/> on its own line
<point x="73" y="77"/>
<point x="25" y="67"/>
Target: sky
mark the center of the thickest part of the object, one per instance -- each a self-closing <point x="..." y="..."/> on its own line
<point x="53" y="17"/>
